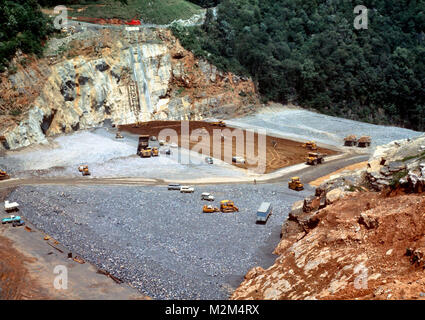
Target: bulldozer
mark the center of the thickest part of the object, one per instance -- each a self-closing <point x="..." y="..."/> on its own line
<point x="219" y="123"/>
<point x="314" y="158"/>
<point x="146" y="153"/>
<point x="209" y="209"/>
<point x="350" y="141"/>
<point x="228" y="206"/>
<point x="295" y="184"/>
<point x="155" y="152"/>
<point x="4" y="175"/>
<point x="310" y="145"/>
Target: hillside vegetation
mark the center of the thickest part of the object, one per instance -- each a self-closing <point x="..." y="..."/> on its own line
<point x="308" y="52"/>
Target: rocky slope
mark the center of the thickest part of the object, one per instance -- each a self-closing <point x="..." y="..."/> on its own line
<point x="125" y="76"/>
<point x="351" y="242"/>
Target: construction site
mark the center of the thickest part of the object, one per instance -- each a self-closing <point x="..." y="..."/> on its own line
<point x="89" y="180"/>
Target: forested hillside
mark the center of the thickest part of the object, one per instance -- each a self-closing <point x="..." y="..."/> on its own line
<point x="308" y="52"/>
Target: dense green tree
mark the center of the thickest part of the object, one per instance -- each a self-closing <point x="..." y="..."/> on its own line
<point x="308" y="52"/>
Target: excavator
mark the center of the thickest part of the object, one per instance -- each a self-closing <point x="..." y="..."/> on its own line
<point x="295" y="184"/>
<point x="310" y="145"/>
<point x="4" y="175"/>
<point x="228" y="206"/>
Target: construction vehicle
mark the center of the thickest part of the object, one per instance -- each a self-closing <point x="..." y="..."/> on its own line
<point x="310" y="145"/>
<point x="314" y="158"/>
<point x="155" y="152"/>
<point x="219" y="123"/>
<point x="119" y="136"/>
<point x="350" y="141"/>
<point x="228" y="206"/>
<point x="4" y="175"/>
<point x="143" y="144"/>
<point x="14" y="220"/>
<point x="85" y="171"/>
<point x="209" y="160"/>
<point x="364" y="142"/>
<point x="146" y="153"/>
<point x="174" y="186"/>
<point x="238" y="160"/>
<point x="295" y="184"/>
<point x="209" y="209"/>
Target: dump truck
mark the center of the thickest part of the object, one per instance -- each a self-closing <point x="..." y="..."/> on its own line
<point x="86" y="171"/>
<point x="15" y="220"/>
<point x="219" y="123"/>
<point x="187" y="189"/>
<point x="350" y="141"/>
<point x="209" y="209"/>
<point x="228" y="206"/>
<point x="264" y="212"/>
<point x="4" y="175"/>
<point x="146" y="153"/>
<point x="364" y="142"/>
<point x="310" y="145"/>
<point x="295" y="184"/>
<point x="143" y="144"/>
<point x="314" y="158"/>
<point x="155" y="152"/>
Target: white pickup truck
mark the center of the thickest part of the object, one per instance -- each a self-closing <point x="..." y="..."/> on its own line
<point x="187" y="189"/>
<point x="10" y="206"/>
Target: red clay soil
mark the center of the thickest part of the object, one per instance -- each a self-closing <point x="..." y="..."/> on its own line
<point x="15" y="281"/>
<point x="285" y="153"/>
<point x="325" y="262"/>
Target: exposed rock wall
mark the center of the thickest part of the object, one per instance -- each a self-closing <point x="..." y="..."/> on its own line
<point x="125" y="76"/>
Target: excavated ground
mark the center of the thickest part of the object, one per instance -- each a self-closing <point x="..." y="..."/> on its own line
<point x="286" y="152"/>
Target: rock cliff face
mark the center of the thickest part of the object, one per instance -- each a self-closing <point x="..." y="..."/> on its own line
<point x="124" y="76"/>
<point x="350" y="242"/>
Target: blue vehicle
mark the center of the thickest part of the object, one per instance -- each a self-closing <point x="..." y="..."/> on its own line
<point x="16" y="221"/>
<point x="264" y="212"/>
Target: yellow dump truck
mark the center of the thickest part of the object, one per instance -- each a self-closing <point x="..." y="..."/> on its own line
<point x="310" y="145"/>
<point x="314" y="158"/>
<point x="350" y="141"/>
<point x="228" y="206"/>
<point x="295" y="184"/>
<point x="364" y="142"/>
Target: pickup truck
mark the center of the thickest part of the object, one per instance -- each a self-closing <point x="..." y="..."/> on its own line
<point x="15" y="220"/>
<point x="186" y="189"/>
<point x="207" y="196"/>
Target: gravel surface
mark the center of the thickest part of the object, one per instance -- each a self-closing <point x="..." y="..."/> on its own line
<point x="307" y="125"/>
<point x="159" y="241"/>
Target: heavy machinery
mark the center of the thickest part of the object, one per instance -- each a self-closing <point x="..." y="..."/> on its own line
<point x="364" y="142"/>
<point x="4" y="175"/>
<point x="314" y="158"/>
<point x="295" y="184"/>
<point x="143" y="144"/>
<point x="350" y="141"/>
<point x="209" y="209"/>
<point x="219" y="123"/>
<point x="119" y="136"/>
<point x="146" y="153"/>
<point x="155" y="152"/>
<point x="85" y="170"/>
<point x="228" y="206"/>
<point x="310" y="145"/>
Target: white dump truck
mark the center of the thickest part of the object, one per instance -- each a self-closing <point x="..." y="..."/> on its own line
<point x="264" y="212"/>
